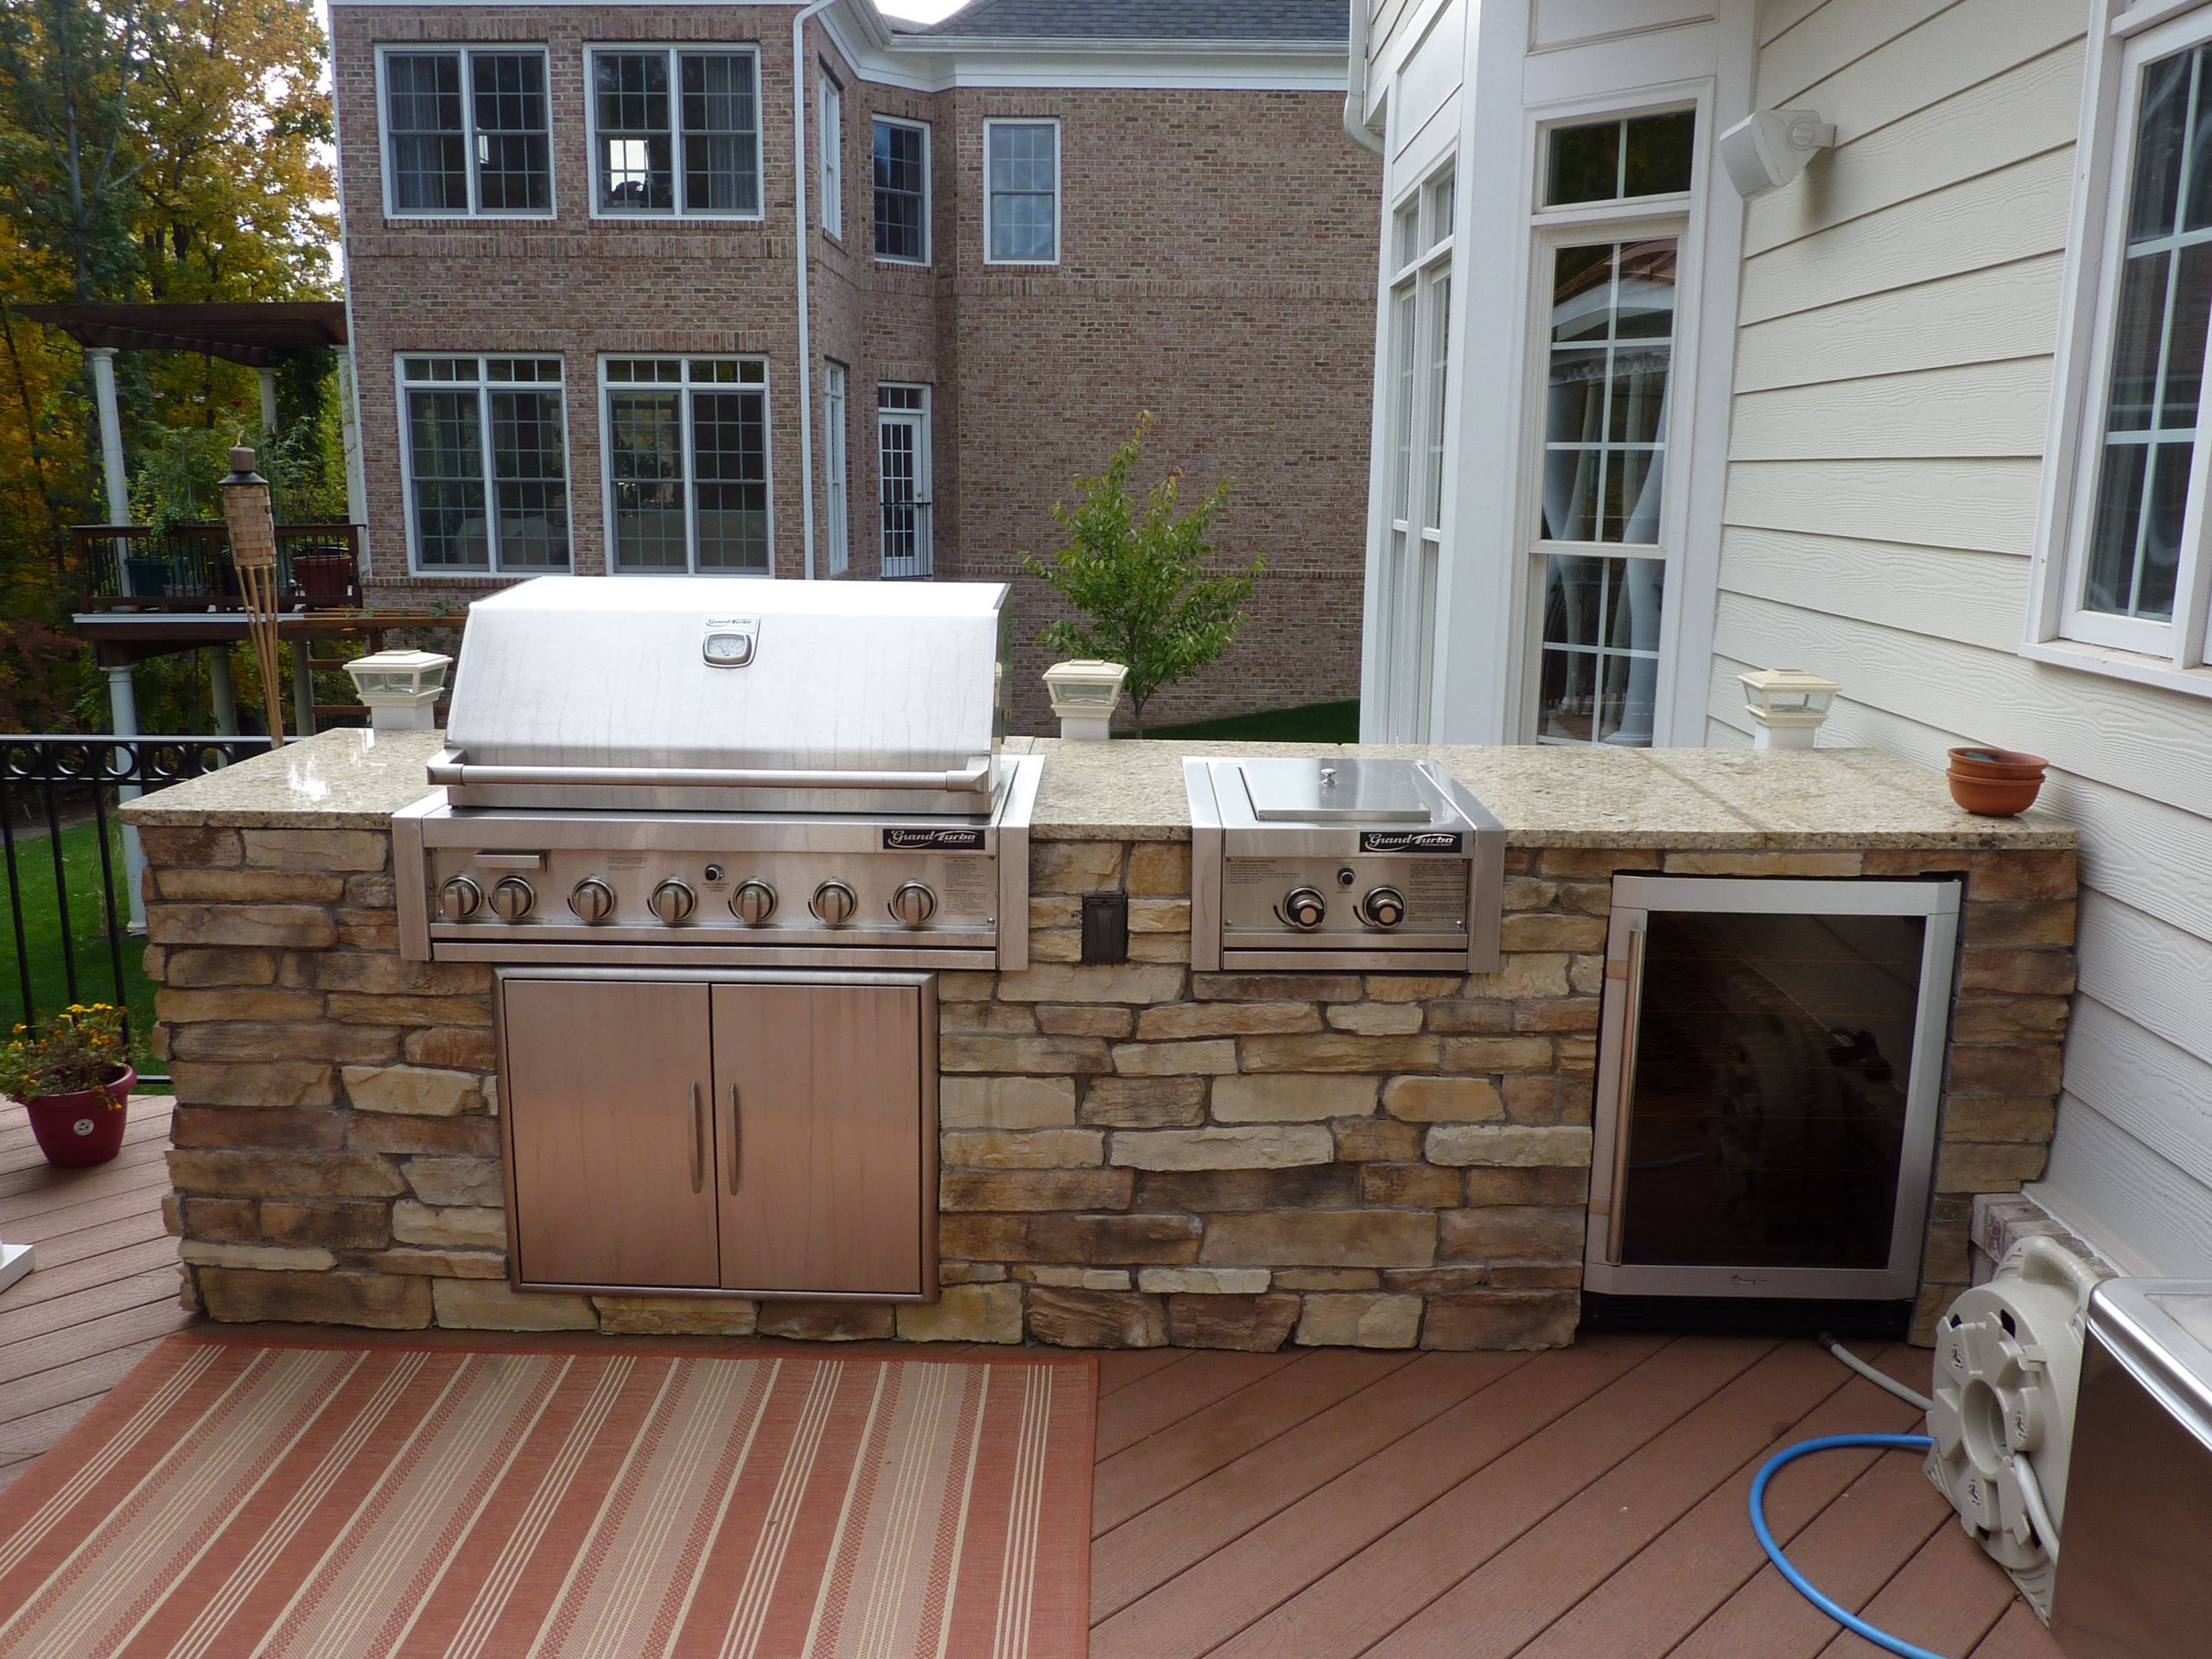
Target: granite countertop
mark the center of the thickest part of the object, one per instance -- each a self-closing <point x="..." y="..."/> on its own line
<point x="1554" y="797"/>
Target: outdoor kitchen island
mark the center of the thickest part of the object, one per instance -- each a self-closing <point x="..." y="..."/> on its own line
<point x="1128" y="1153"/>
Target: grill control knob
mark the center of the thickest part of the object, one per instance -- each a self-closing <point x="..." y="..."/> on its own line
<point x="459" y="898"/>
<point x="1304" y="907"/>
<point x="754" y="902"/>
<point x="513" y="898"/>
<point x="1383" y="907"/>
<point x="673" y="901"/>
<point x="913" y="904"/>
<point x="834" y="904"/>
<point x="592" y="900"/>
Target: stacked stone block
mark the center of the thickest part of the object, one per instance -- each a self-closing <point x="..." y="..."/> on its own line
<point x="1132" y="1154"/>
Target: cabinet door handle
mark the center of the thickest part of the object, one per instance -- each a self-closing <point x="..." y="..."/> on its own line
<point x="1624" y="1094"/>
<point x="736" y="1144"/>
<point x="698" y="1141"/>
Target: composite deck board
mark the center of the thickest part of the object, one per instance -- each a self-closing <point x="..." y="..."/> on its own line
<point x="1314" y="1504"/>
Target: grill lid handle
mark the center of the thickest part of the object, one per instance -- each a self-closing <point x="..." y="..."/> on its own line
<point x="451" y="766"/>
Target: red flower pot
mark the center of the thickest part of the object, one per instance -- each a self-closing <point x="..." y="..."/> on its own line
<point x="77" y="1130"/>
<point x="1995" y="783"/>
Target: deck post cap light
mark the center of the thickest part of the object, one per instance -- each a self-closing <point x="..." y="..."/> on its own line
<point x="1085" y="693"/>
<point x="1787" y="705"/>
<point x="401" y="688"/>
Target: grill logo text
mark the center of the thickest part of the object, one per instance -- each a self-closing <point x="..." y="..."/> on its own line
<point x="1409" y="841"/>
<point x="939" y="841"/>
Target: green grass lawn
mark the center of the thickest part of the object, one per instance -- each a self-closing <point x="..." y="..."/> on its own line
<point x="43" y="937"/>
<point x="1317" y="722"/>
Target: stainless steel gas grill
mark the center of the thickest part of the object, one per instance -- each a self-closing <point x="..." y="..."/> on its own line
<point x="1320" y="864"/>
<point x="717" y="772"/>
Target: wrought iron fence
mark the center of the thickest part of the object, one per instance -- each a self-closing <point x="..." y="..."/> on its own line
<point x="187" y="567"/>
<point x="63" y="790"/>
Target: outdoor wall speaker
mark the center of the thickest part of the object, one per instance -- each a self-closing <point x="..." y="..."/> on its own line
<point x="1768" y="149"/>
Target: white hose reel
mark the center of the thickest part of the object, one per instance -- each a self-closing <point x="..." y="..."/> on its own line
<point x="2008" y="1362"/>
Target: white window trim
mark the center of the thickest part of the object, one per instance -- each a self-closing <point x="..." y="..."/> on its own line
<point x="1677" y="215"/>
<point x="837" y="470"/>
<point x="464" y="49"/>
<point x="690" y="475"/>
<point x="493" y="569"/>
<point x="929" y="202"/>
<point x="1059" y="186"/>
<point x="830" y="111"/>
<point x="2172" y="656"/>
<point x="923" y="418"/>
<point x="674" y="52"/>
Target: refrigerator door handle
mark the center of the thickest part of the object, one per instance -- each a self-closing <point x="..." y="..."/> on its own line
<point x="1625" y="1089"/>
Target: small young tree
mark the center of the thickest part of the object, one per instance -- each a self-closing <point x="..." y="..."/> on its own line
<point x="1135" y="569"/>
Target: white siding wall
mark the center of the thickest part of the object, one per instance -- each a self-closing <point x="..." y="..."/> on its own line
<point x="1900" y="309"/>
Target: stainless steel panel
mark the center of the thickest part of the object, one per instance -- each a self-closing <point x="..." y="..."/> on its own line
<point x="1311" y="791"/>
<point x="1636" y="898"/>
<point x="2138" y="1527"/>
<point x="611" y="672"/>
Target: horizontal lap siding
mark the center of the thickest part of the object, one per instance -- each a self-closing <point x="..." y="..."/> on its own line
<point x="1900" y="303"/>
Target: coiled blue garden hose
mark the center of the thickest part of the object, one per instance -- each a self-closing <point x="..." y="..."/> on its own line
<point x="1798" y="1581"/>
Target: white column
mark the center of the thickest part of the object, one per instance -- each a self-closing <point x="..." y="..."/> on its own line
<point x="102" y="358"/>
<point x="122" y="705"/>
<point x="302" y="692"/>
<point x="223" y="691"/>
<point x="268" y="401"/>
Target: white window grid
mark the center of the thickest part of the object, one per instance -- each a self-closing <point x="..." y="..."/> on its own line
<point x="905" y="513"/>
<point x="486" y="378"/>
<point x="895" y="124"/>
<point x="689" y="377"/>
<point x="681" y="136"/>
<point x="834" y="429"/>
<point x="475" y="143"/>
<point x="992" y="189"/>
<point x="1632" y="571"/>
<point x="2175" y="653"/>
<point x="833" y="157"/>
<point x="1417" y="389"/>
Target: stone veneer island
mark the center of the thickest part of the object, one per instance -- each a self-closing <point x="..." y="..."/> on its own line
<point x="1130" y="1156"/>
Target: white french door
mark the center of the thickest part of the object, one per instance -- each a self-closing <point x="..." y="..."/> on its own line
<point x="902" y="429"/>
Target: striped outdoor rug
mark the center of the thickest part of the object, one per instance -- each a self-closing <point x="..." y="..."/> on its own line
<point x="230" y="1500"/>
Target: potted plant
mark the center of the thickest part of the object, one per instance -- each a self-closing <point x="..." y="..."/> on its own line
<point x="1995" y="783"/>
<point x="70" y="1075"/>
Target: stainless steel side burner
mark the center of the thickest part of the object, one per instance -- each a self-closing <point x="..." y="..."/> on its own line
<point x="1311" y="863"/>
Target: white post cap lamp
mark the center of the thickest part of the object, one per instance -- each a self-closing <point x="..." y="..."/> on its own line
<point x="1084" y="695"/>
<point x="1787" y="706"/>
<point x="401" y="688"/>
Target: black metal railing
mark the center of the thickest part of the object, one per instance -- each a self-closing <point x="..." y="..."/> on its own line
<point x="61" y="789"/>
<point x="906" y="539"/>
<point x="187" y="567"/>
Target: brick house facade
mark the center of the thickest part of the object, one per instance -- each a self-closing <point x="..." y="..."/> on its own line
<point x="1215" y="265"/>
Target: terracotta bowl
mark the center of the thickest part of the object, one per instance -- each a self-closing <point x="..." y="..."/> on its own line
<point x="1995" y="783"/>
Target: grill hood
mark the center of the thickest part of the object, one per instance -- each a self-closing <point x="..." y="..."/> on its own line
<point x="728" y="693"/>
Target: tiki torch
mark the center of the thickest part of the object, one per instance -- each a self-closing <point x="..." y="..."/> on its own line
<point x="253" y="552"/>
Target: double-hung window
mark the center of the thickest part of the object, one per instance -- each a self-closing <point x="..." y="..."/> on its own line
<point x="676" y="131"/>
<point x="1419" y="371"/>
<point x="486" y="457"/>
<point x="833" y="158"/>
<point x="902" y="191"/>
<point x="468" y="130"/>
<point x="2127" y="570"/>
<point x="835" y="468"/>
<point x="687" y="464"/>
<point x="1614" y="200"/>
<point x="1021" y="189"/>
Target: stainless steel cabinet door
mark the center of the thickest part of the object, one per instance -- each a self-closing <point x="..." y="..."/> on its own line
<point x="826" y="1136"/>
<point x="606" y="1093"/>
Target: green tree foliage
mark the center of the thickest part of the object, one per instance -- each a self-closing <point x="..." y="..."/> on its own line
<point x="149" y="150"/>
<point x="1135" y="566"/>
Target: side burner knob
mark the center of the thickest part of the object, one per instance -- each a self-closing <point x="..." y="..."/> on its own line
<point x="1304" y="907"/>
<point x="913" y="904"/>
<point x="1383" y="907"/>
<point x="834" y="904"/>
<point x="754" y="902"/>
<point x="673" y="901"/>
<point x="592" y="900"/>
<point x="512" y="898"/>
<point x="459" y="898"/>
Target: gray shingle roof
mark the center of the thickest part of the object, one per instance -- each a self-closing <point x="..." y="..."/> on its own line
<point x="1142" y="20"/>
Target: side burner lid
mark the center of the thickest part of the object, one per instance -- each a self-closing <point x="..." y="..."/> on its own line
<point x="1313" y="791"/>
